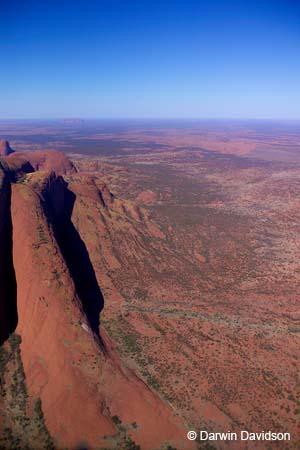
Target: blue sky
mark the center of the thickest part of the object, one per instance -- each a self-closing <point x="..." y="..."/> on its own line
<point x="128" y="58"/>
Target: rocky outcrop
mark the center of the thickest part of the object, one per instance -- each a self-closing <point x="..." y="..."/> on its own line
<point x="5" y="148"/>
<point x="88" y="396"/>
<point x="98" y="192"/>
<point x="59" y="355"/>
<point x="46" y="160"/>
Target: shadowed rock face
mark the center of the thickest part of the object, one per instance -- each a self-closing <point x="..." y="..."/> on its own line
<point x="5" y="148"/>
<point x="70" y="366"/>
<point x="8" y="308"/>
<point x="58" y="205"/>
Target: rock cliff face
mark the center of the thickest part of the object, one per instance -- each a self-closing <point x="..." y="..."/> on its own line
<point x="8" y="313"/>
<point x="5" y="148"/>
<point x="58" y="351"/>
<point x="51" y="298"/>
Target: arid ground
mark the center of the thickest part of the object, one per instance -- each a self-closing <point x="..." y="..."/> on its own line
<point x="180" y="241"/>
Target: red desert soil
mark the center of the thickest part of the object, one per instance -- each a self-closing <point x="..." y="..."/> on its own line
<point x="205" y="308"/>
<point x="195" y="252"/>
<point x="87" y="394"/>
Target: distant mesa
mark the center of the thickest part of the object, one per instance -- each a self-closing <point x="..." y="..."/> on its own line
<point x="5" y="148"/>
<point x="74" y="120"/>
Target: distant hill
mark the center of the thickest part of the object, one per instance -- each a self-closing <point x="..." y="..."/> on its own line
<point x="76" y="120"/>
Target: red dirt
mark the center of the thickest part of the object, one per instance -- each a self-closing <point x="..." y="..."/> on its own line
<point x="81" y="380"/>
<point x="200" y="283"/>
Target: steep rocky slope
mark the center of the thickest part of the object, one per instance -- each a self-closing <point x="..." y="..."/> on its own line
<point x="8" y="314"/>
<point x="5" y="148"/>
<point x="64" y="376"/>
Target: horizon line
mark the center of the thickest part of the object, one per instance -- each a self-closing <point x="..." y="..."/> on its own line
<point x="84" y="118"/>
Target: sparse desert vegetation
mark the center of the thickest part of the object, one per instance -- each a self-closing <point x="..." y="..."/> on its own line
<point x="195" y="253"/>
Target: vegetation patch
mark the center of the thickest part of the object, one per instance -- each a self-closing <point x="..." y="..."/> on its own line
<point x="21" y="427"/>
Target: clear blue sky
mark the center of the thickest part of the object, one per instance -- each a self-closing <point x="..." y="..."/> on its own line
<point x="149" y="58"/>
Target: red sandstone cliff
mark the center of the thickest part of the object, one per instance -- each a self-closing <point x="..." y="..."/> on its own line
<point x="87" y="395"/>
<point x="5" y="148"/>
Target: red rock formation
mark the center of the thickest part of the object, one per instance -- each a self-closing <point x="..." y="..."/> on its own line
<point x="58" y="352"/>
<point x="47" y="160"/>
<point x="79" y="378"/>
<point x="5" y="148"/>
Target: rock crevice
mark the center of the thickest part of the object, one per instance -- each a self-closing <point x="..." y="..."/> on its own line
<point x="8" y="288"/>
